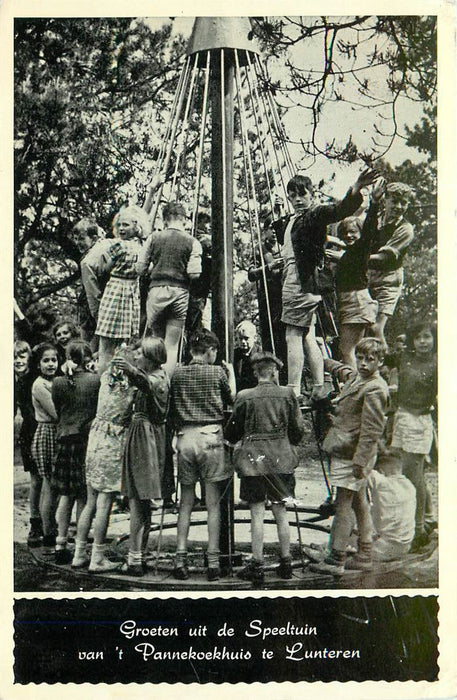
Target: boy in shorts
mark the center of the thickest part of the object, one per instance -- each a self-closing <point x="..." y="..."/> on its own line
<point x="392" y="237"/>
<point x="199" y="392"/>
<point x="352" y="444"/>
<point x="176" y="259"/>
<point x="303" y="238"/>
<point x="268" y="421"/>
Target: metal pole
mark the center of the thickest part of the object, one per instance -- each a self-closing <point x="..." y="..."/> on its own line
<point x="222" y="201"/>
<point x="222" y="106"/>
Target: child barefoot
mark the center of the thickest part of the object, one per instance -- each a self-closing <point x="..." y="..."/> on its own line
<point x="144" y="455"/>
<point x="267" y="419"/>
<point x="352" y="443"/>
<point x="75" y="400"/>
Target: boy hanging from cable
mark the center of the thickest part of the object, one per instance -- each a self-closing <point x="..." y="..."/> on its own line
<point x="268" y="421"/>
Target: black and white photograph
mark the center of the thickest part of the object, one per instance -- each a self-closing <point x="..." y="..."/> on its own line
<point x="225" y="347"/>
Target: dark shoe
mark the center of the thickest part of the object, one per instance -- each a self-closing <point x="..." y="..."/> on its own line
<point x="328" y="566"/>
<point x="430" y="525"/>
<point x="284" y="570"/>
<point x="252" y="572"/>
<point x="49" y="545"/>
<point x="132" y="570"/>
<point x="420" y="540"/>
<point x="36" y="533"/>
<point x="181" y="573"/>
<point x="213" y="573"/>
<point x="63" y="557"/>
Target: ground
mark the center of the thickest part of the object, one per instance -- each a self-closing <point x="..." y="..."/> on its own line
<point x="30" y="575"/>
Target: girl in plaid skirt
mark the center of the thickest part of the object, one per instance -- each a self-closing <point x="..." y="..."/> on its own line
<point x="44" y="440"/>
<point x="75" y="400"/>
<point x="119" y="312"/>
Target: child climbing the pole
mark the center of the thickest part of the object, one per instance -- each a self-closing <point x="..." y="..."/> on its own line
<point x="302" y="237"/>
<point x="144" y="452"/>
<point x="413" y="425"/>
<point x="352" y="445"/>
<point x="176" y="259"/>
<point x="268" y="421"/>
<point x="44" y="441"/>
<point x="75" y="399"/>
<point x="199" y="393"/>
<point x="105" y="450"/>
<point x="117" y="307"/>
<point x="23" y="382"/>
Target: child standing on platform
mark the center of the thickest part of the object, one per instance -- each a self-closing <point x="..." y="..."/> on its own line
<point x="268" y="420"/>
<point x="44" y="440"/>
<point x="199" y="392"/>
<point x="413" y="425"/>
<point x="75" y="400"/>
<point x="352" y="444"/>
<point x="144" y="454"/>
<point x="105" y="449"/>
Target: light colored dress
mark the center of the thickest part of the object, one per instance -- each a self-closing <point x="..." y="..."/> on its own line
<point x="105" y="447"/>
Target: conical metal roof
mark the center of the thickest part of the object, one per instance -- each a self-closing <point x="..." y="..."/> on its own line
<point x="210" y="33"/>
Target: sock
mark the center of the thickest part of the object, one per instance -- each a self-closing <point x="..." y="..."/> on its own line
<point x="98" y="554"/>
<point x="181" y="559"/>
<point x="364" y="549"/>
<point x="213" y="559"/>
<point x="134" y="558"/>
<point x="80" y="549"/>
<point x="61" y="543"/>
<point x="336" y="557"/>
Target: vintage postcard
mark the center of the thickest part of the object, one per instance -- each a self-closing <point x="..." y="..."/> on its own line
<point x="229" y="246"/>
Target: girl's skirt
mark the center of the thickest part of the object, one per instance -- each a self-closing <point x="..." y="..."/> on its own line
<point x="105" y="450"/>
<point x="69" y="476"/>
<point x="44" y="448"/>
<point x="144" y="459"/>
<point x="412" y="433"/>
<point x="119" y="313"/>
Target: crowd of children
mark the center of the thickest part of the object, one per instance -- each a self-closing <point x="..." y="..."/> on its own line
<point x="94" y="426"/>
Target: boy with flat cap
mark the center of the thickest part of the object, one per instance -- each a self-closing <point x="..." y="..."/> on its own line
<point x="268" y="422"/>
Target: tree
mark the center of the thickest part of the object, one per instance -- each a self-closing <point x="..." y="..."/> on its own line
<point x="91" y="98"/>
<point x="367" y="64"/>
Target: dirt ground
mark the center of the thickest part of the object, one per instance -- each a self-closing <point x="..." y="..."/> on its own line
<point x="311" y="491"/>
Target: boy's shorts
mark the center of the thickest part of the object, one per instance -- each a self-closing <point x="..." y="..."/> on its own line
<point x="168" y="304"/>
<point x="202" y="455"/>
<point x="357" y="307"/>
<point x="275" y="487"/>
<point x="341" y="475"/>
<point x="385" y="288"/>
<point x="412" y="433"/>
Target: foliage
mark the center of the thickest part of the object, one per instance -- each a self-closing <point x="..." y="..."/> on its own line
<point x="371" y="63"/>
<point x="90" y="97"/>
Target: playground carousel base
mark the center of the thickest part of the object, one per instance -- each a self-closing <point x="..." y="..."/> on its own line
<point x="309" y="534"/>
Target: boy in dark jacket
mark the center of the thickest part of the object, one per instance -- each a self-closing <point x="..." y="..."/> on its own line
<point x="268" y="421"/>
